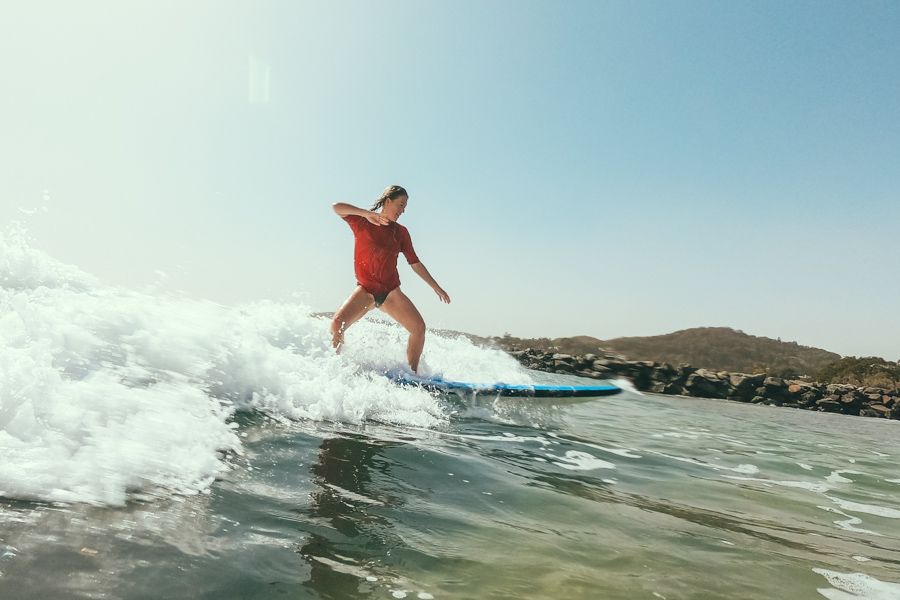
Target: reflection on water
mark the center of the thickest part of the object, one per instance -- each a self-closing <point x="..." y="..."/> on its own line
<point x="340" y="552"/>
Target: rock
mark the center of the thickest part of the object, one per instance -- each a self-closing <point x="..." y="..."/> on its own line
<point x="829" y="405"/>
<point x="773" y="382"/>
<point x="758" y="399"/>
<point x="838" y="388"/>
<point x="880" y="410"/>
<point x="852" y="397"/>
<point x="674" y="388"/>
<point x="658" y="387"/>
<point x="876" y="398"/>
<point x="562" y="357"/>
<point x="745" y="386"/>
<point x="810" y="398"/>
<point x="706" y="384"/>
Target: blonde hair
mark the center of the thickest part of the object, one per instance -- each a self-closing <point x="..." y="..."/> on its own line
<point x="391" y="192"/>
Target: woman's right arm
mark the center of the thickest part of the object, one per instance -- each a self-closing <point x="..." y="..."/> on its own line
<point x="343" y="209"/>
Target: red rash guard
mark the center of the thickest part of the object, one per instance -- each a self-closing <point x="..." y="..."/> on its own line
<point x="376" y="251"/>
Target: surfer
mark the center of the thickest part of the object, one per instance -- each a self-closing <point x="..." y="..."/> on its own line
<point x="379" y="241"/>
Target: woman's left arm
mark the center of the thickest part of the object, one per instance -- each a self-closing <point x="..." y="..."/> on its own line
<point x="422" y="272"/>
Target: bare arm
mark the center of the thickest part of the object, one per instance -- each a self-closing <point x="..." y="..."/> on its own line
<point x="343" y="209"/>
<point x="422" y="272"/>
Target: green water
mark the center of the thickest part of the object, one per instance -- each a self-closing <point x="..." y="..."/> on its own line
<point x="622" y="497"/>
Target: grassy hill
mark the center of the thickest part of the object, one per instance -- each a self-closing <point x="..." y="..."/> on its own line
<point x="717" y="348"/>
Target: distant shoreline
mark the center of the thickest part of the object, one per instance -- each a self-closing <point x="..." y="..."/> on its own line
<point x="685" y="380"/>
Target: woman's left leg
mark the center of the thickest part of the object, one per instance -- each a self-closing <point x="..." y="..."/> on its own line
<point x="402" y="310"/>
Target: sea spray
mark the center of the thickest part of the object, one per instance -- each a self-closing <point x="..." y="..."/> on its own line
<point x="106" y="392"/>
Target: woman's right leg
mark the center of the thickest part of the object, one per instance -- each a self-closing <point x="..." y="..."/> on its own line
<point x="357" y="305"/>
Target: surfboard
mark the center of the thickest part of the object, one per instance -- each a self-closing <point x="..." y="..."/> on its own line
<point x="439" y="384"/>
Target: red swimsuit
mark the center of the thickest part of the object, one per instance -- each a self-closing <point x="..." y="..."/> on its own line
<point x="375" y="254"/>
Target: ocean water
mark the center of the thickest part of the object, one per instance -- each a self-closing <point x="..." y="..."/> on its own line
<point x="158" y="446"/>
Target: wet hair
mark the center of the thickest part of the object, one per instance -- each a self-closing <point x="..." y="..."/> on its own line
<point x="391" y="192"/>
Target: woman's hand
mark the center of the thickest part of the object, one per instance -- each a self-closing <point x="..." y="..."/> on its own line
<point x="444" y="296"/>
<point x="376" y="218"/>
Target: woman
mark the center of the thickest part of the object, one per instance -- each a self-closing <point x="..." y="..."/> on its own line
<point x="379" y="241"/>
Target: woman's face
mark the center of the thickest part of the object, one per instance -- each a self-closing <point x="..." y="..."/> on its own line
<point x="394" y="208"/>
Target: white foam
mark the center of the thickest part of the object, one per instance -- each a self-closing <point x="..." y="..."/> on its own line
<point x="849" y="524"/>
<point x="805" y="466"/>
<point x="852" y="586"/>
<point x="802" y="485"/>
<point x="617" y="451"/>
<point x="676" y="434"/>
<point x="107" y="392"/>
<point x="878" y="511"/>
<point x="580" y="461"/>
<point x="837" y="476"/>
<point x="745" y="468"/>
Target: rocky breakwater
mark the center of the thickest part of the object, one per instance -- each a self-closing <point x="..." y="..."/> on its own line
<point x="684" y="380"/>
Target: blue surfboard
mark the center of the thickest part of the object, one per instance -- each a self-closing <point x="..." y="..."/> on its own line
<point x="439" y="384"/>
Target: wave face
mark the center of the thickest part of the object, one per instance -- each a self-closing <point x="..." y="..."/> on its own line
<point x="108" y="393"/>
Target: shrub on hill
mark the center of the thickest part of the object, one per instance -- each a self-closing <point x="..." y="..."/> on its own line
<point x="862" y="371"/>
<point x="716" y="348"/>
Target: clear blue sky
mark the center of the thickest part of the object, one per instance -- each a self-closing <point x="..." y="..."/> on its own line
<point x="600" y="168"/>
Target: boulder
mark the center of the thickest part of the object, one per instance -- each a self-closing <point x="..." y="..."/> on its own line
<point x="828" y="405"/>
<point x="876" y="410"/>
<point x="744" y="386"/>
<point x="838" y="388"/>
<point x="773" y="382"/>
<point x="658" y="387"/>
<point x="706" y="384"/>
<point x="809" y="398"/>
<point x="853" y="397"/>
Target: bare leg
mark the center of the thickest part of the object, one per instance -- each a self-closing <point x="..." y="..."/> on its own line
<point x="357" y="305"/>
<point x="402" y="310"/>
